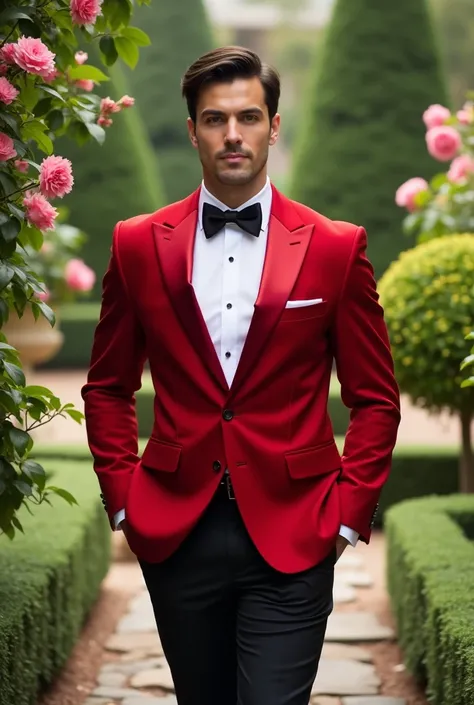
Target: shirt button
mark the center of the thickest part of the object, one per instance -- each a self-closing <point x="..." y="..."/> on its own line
<point x="216" y="466"/>
<point x="228" y="414"/>
<point x="229" y="305"/>
<point x="231" y="259"/>
<point x="227" y="354"/>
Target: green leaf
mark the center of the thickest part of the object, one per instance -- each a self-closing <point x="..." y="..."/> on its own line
<point x="15" y="373"/>
<point x="47" y="312"/>
<point x="117" y="12"/>
<point x="29" y="93"/>
<point x="20" y="439"/>
<point x="97" y="132"/>
<point x="467" y="362"/>
<point x="17" y="212"/>
<point x="76" y="415"/>
<point x="6" y="275"/>
<point x="8" y="184"/>
<point x="35" y="472"/>
<point x="11" y="121"/>
<point x="11" y="229"/>
<point x="55" y="120"/>
<point x="35" y="237"/>
<point x="45" y="144"/>
<point x="469" y="382"/>
<point x="51" y="91"/>
<point x="43" y="106"/>
<point x="78" y="132"/>
<point x="87" y="72"/>
<point x="36" y="390"/>
<point x="138" y="36"/>
<point x="108" y="50"/>
<point x="62" y="493"/>
<point x="23" y="487"/>
<point x="15" y="13"/>
<point x="17" y="524"/>
<point x="128" y="51"/>
<point x="8" y="402"/>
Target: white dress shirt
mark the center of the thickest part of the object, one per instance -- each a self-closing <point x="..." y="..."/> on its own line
<point x="226" y="274"/>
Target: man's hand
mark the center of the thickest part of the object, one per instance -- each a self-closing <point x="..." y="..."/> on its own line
<point x="341" y="545"/>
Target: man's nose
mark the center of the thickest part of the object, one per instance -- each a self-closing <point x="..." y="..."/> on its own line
<point x="233" y="135"/>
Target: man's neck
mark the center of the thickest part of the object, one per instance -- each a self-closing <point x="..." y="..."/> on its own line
<point x="234" y="196"/>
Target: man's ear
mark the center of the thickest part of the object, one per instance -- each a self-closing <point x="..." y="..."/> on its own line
<point x="275" y="129"/>
<point x="192" y="132"/>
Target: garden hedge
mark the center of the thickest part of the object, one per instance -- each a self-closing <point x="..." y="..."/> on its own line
<point x="155" y="83"/>
<point x="430" y="553"/>
<point x="362" y="133"/>
<point x="49" y="580"/>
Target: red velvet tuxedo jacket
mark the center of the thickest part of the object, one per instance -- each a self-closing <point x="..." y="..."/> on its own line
<point x="271" y="428"/>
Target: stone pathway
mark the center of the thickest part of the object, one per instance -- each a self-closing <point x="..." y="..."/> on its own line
<point x="136" y="672"/>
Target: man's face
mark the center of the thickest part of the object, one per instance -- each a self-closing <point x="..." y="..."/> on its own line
<point x="233" y="132"/>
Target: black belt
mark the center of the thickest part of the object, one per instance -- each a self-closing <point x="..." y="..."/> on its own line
<point x="226" y="483"/>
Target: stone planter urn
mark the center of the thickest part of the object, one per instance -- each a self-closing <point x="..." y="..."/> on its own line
<point x="36" y="341"/>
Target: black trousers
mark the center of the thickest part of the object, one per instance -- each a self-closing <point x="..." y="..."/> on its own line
<point x="234" y="630"/>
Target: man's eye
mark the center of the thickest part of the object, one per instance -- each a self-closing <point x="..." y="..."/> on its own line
<point x="213" y="119"/>
<point x="250" y="118"/>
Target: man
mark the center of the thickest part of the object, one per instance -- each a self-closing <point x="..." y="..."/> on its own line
<point x="240" y="505"/>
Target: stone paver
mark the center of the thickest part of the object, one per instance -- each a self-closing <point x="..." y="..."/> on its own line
<point x="345" y="677"/>
<point x="356" y="578"/>
<point x="114" y="693"/>
<point x="377" y="700"/>
<point x="356" y="626"/>
<point x="112" y="680"/>
<point x="324" y="700"/>
<point x="343" y="593"/>
<point x="129" y="668"/>
<point x="345" y="651"/>
<point x="154" y="678"/>
<point x="149" y="700"/>
<point x="97" y="701"/>
<point x="136" y="622"/>
<point x="145" y="641"/>
<point x="349" y="560"/>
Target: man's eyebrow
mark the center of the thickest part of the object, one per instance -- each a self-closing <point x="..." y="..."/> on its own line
<point x="245" y="111"/>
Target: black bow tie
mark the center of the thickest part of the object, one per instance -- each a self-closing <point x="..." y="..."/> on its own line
<point x="249" y="219"/>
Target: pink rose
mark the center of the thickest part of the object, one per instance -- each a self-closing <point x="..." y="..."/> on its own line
<point x="21" y="165"/>
<point x="86" y="84"/>
<point x="85" y="11"/>
<point x="406" y="193"/>
<point x="31" y="55"/>
<point x="104" y="122"/>
<point x="43" y="295"/>
<point x="7" y="53"/>
<point x="52" y="76"/>
<point x="460" y="169"/>
<point x="39" y="212"/>
<point x="126" y="101"/>
<point x="443" y="142"/>
<point x="464" y="117"/>
<point x="107" y="106"/>
<point x="435" y="115"/>
<point x="8" y="92"/>
<point x="7" y="149"/>
<point x="55" y="178"/>
<point x="79" y="276"/>
<point x="81" y="57"/>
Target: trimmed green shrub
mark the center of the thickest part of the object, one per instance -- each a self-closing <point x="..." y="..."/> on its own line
<point x="112" y="182"/>
<point x="49" y="579"/>
<point x="430" y="577"/>
<point x="429" y="309"/>
<point x="362" y="133"/>
<point x="177" y="41"/>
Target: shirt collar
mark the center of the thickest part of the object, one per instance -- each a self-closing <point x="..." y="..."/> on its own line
<point x="264" y="197"/>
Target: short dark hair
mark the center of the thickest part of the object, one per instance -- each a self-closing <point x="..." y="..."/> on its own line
<point x="224" y="65"/>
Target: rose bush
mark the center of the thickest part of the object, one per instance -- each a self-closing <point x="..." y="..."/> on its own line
<point x="445" y="204"/>
<point x="46" y="91"/>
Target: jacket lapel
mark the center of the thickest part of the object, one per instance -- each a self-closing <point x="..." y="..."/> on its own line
<point x="288" y="240"/>
<point x="174" y="240"/>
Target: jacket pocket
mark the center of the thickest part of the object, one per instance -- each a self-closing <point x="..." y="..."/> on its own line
<point x="313" y="461"/>
<point x="161" y="455"/>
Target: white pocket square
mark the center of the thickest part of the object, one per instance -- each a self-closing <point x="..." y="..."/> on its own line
<point x="303" y="302"/>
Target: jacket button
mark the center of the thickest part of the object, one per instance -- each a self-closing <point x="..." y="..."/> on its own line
<point x="228" y="414"/>
<point x="216" y="466"/>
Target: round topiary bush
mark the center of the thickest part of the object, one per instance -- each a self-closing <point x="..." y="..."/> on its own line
<point x="428" y="297"/>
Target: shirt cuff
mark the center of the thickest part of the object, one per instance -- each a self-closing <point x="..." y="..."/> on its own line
<point x="119" y="517"/>
<point x="349" y="534"/>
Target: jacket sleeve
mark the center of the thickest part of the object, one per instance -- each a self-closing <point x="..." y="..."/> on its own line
<point x="368" y="388"/>
<point x="117" y="360"/>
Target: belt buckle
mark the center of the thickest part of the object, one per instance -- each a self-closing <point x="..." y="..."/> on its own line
<point x="230" y="489"/>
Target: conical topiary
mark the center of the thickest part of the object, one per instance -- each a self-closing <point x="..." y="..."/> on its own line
<point x="362" y="133"/>
<point x="112" y="182"/>
<point x="180" y="33"/>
